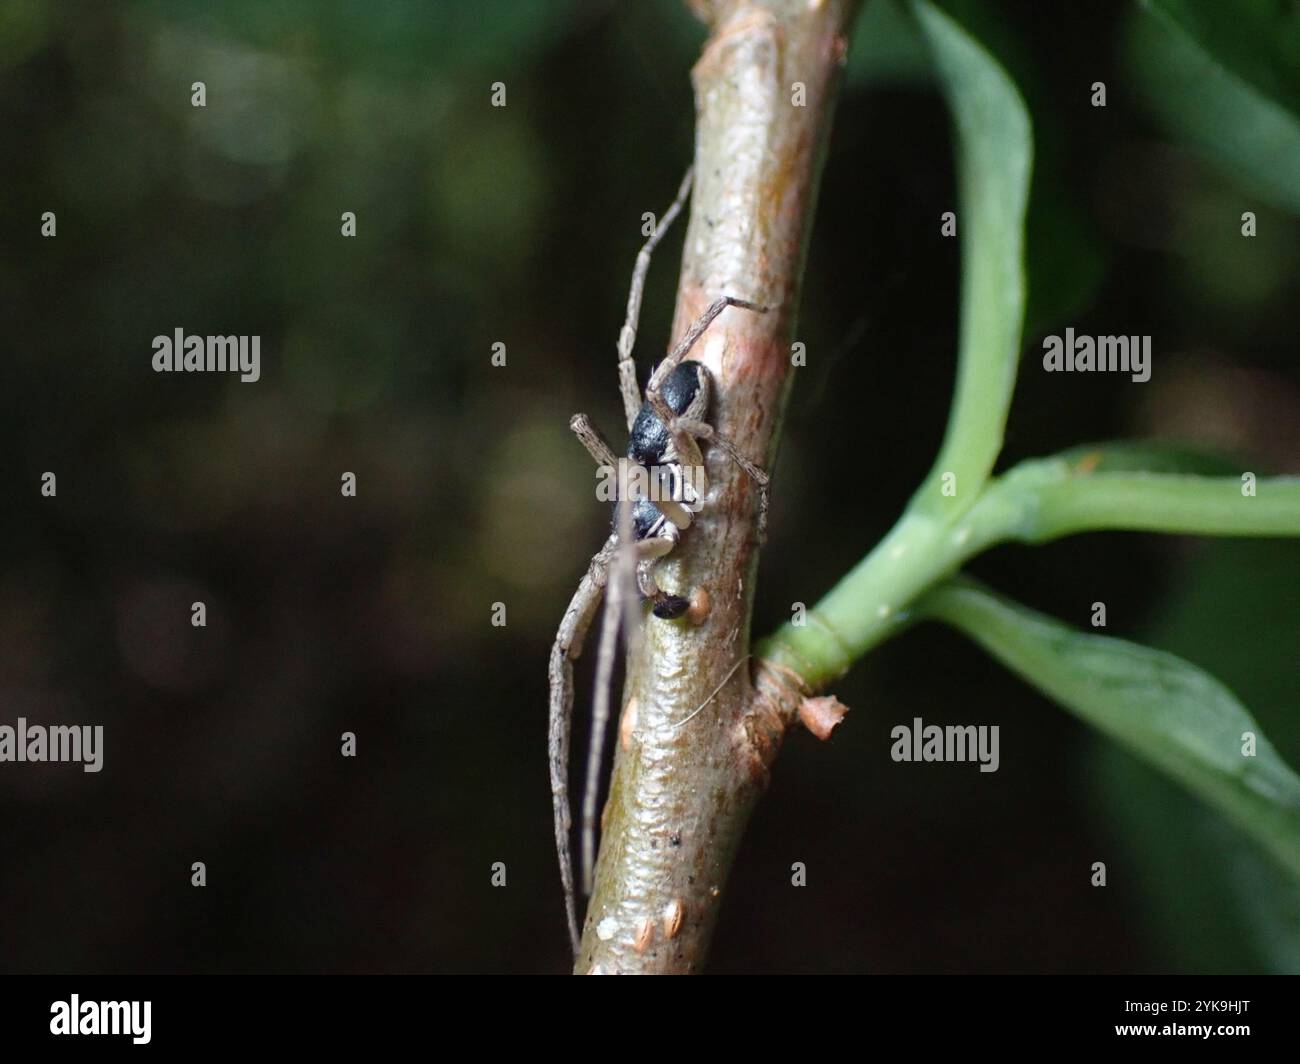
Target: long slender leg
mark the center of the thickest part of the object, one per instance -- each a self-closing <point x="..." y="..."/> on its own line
<point x="561" y="718"/>
<point x="683" y="348"/>
<point x="606" y="653"/>
<point x="597" y="446"/>
<point x="635" y="558"/>
<point x="569" y="641"/>
<point x="627" y="337"/>
<point x="567" y="647"/>
<point x="703" y="430"/>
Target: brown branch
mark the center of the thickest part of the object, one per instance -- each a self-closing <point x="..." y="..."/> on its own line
<point x="682" y="792"/>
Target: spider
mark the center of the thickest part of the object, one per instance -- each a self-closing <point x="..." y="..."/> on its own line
<point x="664" y="429"/>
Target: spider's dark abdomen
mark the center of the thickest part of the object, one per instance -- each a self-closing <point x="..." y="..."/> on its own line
<point x="686" y="391"/>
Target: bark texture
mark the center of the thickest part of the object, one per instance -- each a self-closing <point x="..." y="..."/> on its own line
<point x="683" y="789"/>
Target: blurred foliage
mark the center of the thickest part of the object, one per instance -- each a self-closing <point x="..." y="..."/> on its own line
<point x="398" y="40"/>
<point x="520" y="225"/>
<point x="1240" y="911"/>
<point x="1226" y="77"/>
<point x="1064" y="257"/>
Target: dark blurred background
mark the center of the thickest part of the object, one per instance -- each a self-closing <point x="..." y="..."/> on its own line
<point x="371" y="614"/>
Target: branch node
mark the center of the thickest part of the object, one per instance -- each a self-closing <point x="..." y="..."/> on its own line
<point x="772" y="710"/>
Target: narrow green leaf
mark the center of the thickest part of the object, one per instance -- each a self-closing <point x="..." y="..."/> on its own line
<point x="1163" y="709"/>
<point x="994" y="161"/>
<point x="1226" y="77"/>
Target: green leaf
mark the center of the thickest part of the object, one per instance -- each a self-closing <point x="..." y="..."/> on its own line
<point x="1168" y="712"/>
<point x="1233" y="611"/>
<point x="1226" y="78"/>
<point x="994" y="162"/>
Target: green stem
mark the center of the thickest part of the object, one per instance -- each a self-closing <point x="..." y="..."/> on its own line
<point x="1207" y="506"/>
<point x="994" y="162"/>
<point x="1035" y="502"/>
<point x="867" y="605"/>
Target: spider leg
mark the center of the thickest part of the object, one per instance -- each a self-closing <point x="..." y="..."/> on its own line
<point x="569" y="642"/>
<point x="683" y="348"/>
<point x="566" y="649"/>
<point x="641" y="556"/>
<point x="627" y="337"/>
<point x="597" y="446"/>
<point x="704" y="431"/>
<point x="606" y="651"/>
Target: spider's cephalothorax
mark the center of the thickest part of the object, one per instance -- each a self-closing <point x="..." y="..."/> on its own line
<point x="665" y="425"/>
